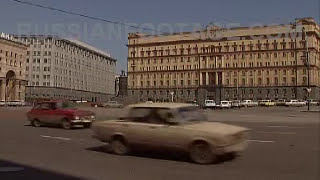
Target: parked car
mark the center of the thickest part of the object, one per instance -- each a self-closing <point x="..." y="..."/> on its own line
<point x="209" y="104"/>
<point x="280" y="102"/>
<point x="193" y="103"/>
<point x="266" y="103"/>
<point x="248" y="103"/>
<point x="312" y="102"/>
<point x="296" y="103"/>
<point x="171" y="126"/>
<point x="112" y="104"/>
<point x="16" y="103"/>
<point x="224" y="105"/>
<point x="59" y="113"/>
<point x="236" y="104"/>
<point x="3" y="103"/>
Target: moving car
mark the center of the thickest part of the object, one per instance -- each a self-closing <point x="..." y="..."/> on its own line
<point x="224" y="105"/>
<point x="296" y="103"/>
<point x="248" y="103"/>
<point x="171" y="126"/>
<point x="266" y="103"/>
<point x="209" y="104"/>
<point x="59" y="113"/>
<point x="112" y="104"/>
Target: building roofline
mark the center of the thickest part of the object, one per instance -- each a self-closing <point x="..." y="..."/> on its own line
<point x="16" y="42"/>
<point x="73" y="42"/>
<point x="306" y="20"/>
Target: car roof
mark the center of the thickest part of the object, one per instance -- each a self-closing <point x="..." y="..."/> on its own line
<point x="160" y="105"/>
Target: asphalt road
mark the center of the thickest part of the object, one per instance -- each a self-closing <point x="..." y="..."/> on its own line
<point x="284" y="144"/>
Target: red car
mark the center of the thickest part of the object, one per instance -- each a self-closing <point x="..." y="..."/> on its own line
<point x="59" y="113"/>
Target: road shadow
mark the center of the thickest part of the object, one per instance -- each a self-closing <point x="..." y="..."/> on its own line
<point x="159" y="154"/>
<point x="14" y="171"/>
<point x="78" y="127"/>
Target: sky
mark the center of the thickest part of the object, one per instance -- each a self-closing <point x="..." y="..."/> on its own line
<point x="161" y="15"/>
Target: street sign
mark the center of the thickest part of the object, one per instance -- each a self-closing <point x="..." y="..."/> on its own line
<point x="309" y="90"/>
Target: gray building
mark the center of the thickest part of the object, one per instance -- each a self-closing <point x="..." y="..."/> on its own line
<point x="59" y="68"/>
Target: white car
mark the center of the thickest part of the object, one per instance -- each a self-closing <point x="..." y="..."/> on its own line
<point x="16" y="103"/>
<point x="312" y="102"/>
<point x="248" y="103"/>
<point x="3" y="103"/>
<point x="209" y="104"/>
<point x="296" y="103"/>
<point x="225" y="104"/>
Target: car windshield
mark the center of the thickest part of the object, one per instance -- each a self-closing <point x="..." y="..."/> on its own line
<point x="64" y="105"/>
<point x="191" y="114"/>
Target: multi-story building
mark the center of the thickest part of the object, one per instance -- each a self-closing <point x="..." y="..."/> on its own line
<point x="59" y="68"/>
<point x="12" y="69"/>
<point x="266" y="62"/>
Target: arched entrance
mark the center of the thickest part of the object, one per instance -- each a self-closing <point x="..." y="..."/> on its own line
<point x="11" y="89"/>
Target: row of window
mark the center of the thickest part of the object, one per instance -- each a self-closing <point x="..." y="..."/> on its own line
<point x="11" y="54"/>
<point x="219" y="48"/>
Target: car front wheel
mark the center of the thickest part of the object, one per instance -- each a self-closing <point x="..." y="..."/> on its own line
<point x="35" y="123"/>
<point x="119" y="147"/>
<point x="66" y="124"/>
<point x="201" y="153"/>
<point x="87" y="125"/>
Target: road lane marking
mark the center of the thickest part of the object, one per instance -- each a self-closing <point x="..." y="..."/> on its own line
<point x="260" y="141"/>
<point x="288" y="133"/>
<point x="11" y="169"/>
<point x="277" y="126"/>
<point x="59" y="138"/>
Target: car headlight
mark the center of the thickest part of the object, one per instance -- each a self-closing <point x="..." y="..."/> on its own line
<point x="76" y="117"/>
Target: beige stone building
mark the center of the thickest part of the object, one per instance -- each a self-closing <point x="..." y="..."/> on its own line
<point x="59" y="68"/>
<point x="266" y="62"/>
<point x="12" y="69"/>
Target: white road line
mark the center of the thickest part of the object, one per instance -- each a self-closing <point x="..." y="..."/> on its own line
<point x="277" y="126"/>
<point x="11" y="169"/>
<point x="260" y="141"/>
<point x="59" y="138"/>
<point x="284" y="127"/>
<point x="288" y="133"/>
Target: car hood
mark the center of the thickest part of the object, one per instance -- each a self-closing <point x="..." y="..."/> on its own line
<point x="215" y="127"/>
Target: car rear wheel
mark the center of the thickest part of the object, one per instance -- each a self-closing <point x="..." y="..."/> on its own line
<point x="201" y="153"/>
<point x="35" y="123"/>
<point x="119" y="147"/>
<point x="66" y="124"/>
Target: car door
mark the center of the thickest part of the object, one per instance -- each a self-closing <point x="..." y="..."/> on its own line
<point x="44" y="113"/>
<point x="137" y="129"/>
<point x="164" y="133"/>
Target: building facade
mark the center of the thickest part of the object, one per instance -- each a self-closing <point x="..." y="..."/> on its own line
<point x="266" y="62"/>
<point x="12" y="69"/>
<point x="59" y="68"/>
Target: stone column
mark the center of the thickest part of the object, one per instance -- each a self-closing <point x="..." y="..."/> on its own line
<point x="200" y="74"/>
<point x="217" y="78"/>
<point x="207" y="78"/>
<point x="16" y="91"/>
<point x="3" y="90"/>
